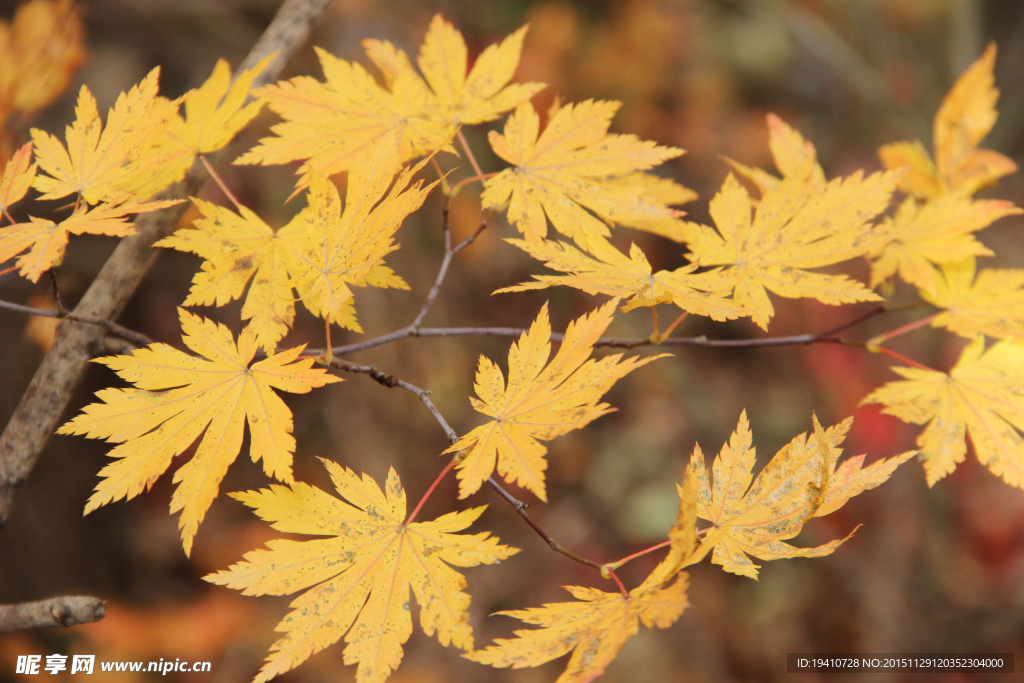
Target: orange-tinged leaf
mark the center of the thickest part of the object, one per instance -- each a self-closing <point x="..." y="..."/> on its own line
<point x="566" y="174"/>
<point x="756" y="516"/>
<point x="115" y="162"/>
<point x="338" y="247"/>
<point x="19" y="172"/>
<point x="609" y="271"/>
<point x="332" y="125"/>
<point x="796" y="226"/>
<point x="39" y="54"/>
<point x="359" y="578"/>
<point x="992" y="303"/>
<point x="216" y="110"/>
<point x="539" y="402"/>
<point x="981" y="397"/>
<point x="594" y="628"/>
<point x="237" y="248"/>
<point x="179" y="397"/>
<point x="918" y="237"/>
<point x="47" y="240"/>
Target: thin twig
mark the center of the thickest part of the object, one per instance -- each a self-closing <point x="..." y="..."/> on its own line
<point x="136" y="338"/>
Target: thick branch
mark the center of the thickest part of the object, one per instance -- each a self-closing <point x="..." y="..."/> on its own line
<point x="68" y="610"/>
<point x="47" y="396"/>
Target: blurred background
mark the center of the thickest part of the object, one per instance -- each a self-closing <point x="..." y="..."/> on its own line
<point x="936" y="570"/>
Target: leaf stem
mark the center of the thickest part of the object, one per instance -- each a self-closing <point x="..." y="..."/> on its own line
<point x="664" y="335"/>
<point x="900" y="357"/>
<point x="882" y="338"/>
<point x="469" y="152"/>
<point x="220" y="183"/>
<point x="472" y="179"/>
<point x="433" y="486"/>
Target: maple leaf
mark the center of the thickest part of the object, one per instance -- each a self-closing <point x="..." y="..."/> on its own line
<point x="611" y="272"/>
<point x="663" y="190"/>
<point x="539" y="402"/>
<point x="992" y="303"/>
<point x="237" y="248"/>
<point x="789" y="150"/>
<point x="981" y="397"/>
<point x="568" y="173"/>
<point x="359" y="578"/>
<point x="937" y="232"/>
<point x="795" y="227"/>
<point x="331" y="125"/>
<point x="113" y="163"/>
<point x="321" y="252"/>
<point x="46" y="240"/>
<point x="338" y="248"/>
<point x="17" y="178"/>
<point x="800" y="482"/>
<point x="965" y="117"/>
<point x="40" y="50"/>
<point x="179" y="398"/>
<point x="216" y="110"/>
<point x="595" y="628"/>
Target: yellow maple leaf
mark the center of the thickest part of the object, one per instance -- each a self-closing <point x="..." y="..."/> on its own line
<point x="237" y="248"/>
<point x="539" y="402"/>
<point x="216" y="110"/>
<point x="568" y="173"/>
<point x="119" y="161"/>
<point x="323" y="251"/>
<point x="331" y="125"/>
<point x="663" y="190"/>
<point x="40" y="50"/>
<point x="179" y="398"/>
<point x="797" y="484"/>
<point x="992" y="303"/>
<point x="919" y="236"/>
<point x="981" y="397"/>
<point x="789" y="150"/>
<point x="965" y="117"/>
<point x="46" y="240"/>
<point x="19" y="172"/>
<point x="341" y="246"/>
<point x="796" y="226"/>
<point x="595" y="628"/>
<point x="360" y="577"/>
<point x="611" y="272"/>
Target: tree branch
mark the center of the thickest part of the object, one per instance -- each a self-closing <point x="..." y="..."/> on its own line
<point x="68" y="610"/>
<point x="56" y="378"/>
<point x="134" y="337"/>
<point x="826" y="337"/>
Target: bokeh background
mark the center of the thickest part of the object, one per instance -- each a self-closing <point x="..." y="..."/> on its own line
<point x="931" y="570"/>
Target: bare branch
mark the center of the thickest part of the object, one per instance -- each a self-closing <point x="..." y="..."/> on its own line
<point x="68" y="610"/>
<point x="136" y="338"/>
<point x="56" y="378"/>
